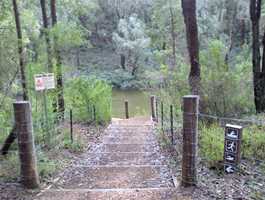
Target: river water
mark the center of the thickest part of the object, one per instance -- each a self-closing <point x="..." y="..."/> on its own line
<point x="139" y="103"/>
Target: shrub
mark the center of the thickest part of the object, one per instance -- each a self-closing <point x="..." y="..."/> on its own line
<point x="84" y="93"/>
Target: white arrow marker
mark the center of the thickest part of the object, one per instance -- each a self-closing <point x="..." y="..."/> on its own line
<point x="229" y="169"/>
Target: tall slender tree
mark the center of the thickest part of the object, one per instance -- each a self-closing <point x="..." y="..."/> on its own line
<point x="59" y="75"/>
<point x="46" y="34"/>
<point x="12" y="135"/>
<point x="258" y="71"/>
<point x="190" y="19"/>
<point x="20" y="51"/>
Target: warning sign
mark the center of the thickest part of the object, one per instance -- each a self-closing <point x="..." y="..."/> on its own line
<point x="44" y="81"/>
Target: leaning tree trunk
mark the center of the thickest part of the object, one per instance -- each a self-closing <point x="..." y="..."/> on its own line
<point x="46" y="34"/>
<point x="189" y="13"/>
<point x="255" y="12"/>
<point x="12" y="135"/>
<point x="59" y="75"/>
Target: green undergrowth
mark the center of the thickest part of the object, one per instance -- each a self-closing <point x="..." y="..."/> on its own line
<point x="49" y="159"/>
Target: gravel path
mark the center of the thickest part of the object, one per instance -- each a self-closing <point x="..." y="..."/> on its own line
<point x="126" y="164"/>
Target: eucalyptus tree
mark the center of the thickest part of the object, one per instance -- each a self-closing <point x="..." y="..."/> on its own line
<point x="132" y="41"/>
<point x="166" y="29"/>
<point x="190" y="19"/>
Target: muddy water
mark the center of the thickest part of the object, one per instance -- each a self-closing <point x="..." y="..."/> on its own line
<point x="139" y="103"/>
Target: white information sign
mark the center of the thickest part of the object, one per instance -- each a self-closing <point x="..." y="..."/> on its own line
<point x="44" y="81"/>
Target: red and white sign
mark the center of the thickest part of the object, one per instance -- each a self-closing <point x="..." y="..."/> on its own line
<point x="44" y="81"/>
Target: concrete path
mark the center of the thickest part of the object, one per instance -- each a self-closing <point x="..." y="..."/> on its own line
<point x="127" y="165"/>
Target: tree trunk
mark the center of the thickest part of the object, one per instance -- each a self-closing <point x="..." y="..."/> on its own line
<point x="189" y="13"/>
<point x="255" y="11"/>
<point x="123" y="61"/>
<point x="9" y="141"/>
<point x="46" y="34"/>
<point x="59" y="75"/>
<point x="20" y="51"/>
<point x="173" y="35"/>
<point x="12" y="135"/>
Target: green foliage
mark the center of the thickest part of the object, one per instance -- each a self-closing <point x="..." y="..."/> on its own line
<point x="131" y="41"/>
<point x="84" y="93"/>
<point x="253" y="144"/>
<point x="211" y="143"/>
<point x="76" y="146"/>
<point x="68" y="34"/>
<point x="222" y="84"/>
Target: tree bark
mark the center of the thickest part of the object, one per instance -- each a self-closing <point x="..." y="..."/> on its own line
<point x="12" y="135"/>
<point x="173" y="35"/>
<point x="258" y="74"/>
<point x="46" y="34"/>
<point x="189" y="13"/>
<point x="123" y="61"/>
<point x="59" y="75"/>
<point x="20" y="51"/>
<point x="9" y="141"/>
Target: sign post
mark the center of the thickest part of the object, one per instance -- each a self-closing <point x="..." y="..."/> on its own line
<point x="233" y="137"/>
<point x="44" y="82"/>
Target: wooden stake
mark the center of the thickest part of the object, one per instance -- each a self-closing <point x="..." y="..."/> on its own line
<point x="126" y="109"/>
<point x="190" y="140"/>
<point x="27" y="155"/>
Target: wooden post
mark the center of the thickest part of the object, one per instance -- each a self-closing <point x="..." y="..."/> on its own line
<point x="162" y="116"/>
<point x="171" y="125"/>
<point x="71" y="126"/>
<point x="190" y="140"/>
<point x="23" y="123"/>
<point x="126" y="110"/>
<point x="153" y="110"/>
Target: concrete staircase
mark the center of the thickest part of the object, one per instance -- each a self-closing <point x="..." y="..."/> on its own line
<point x="127" y="165"/>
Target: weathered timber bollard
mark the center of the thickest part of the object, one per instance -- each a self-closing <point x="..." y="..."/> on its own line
<point x="153" y="106"/>
<point x="126" y="110"/>
<point x="190" y="140"/>
<point x="71" y="126"/>
<point x="27" y="155"/>
<point x="171" y="124"/>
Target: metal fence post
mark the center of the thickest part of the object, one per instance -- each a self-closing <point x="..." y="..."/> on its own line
<point x="162" y="116"/>
<point x="153" y="110"/>
<point x="71" y="126"/>
<point x="171" y="125"/>
<point x="190" y="140"/>
<point x="126" y="110"/>
<point x="27" y="155"/>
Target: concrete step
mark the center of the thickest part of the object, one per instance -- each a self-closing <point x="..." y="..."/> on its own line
<point x="127" y="140"/>
<point x="121" y="158"/>
<point x="128" y="148"/>
<point x="109" y="177"/>
<point x="113" y="194"/>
